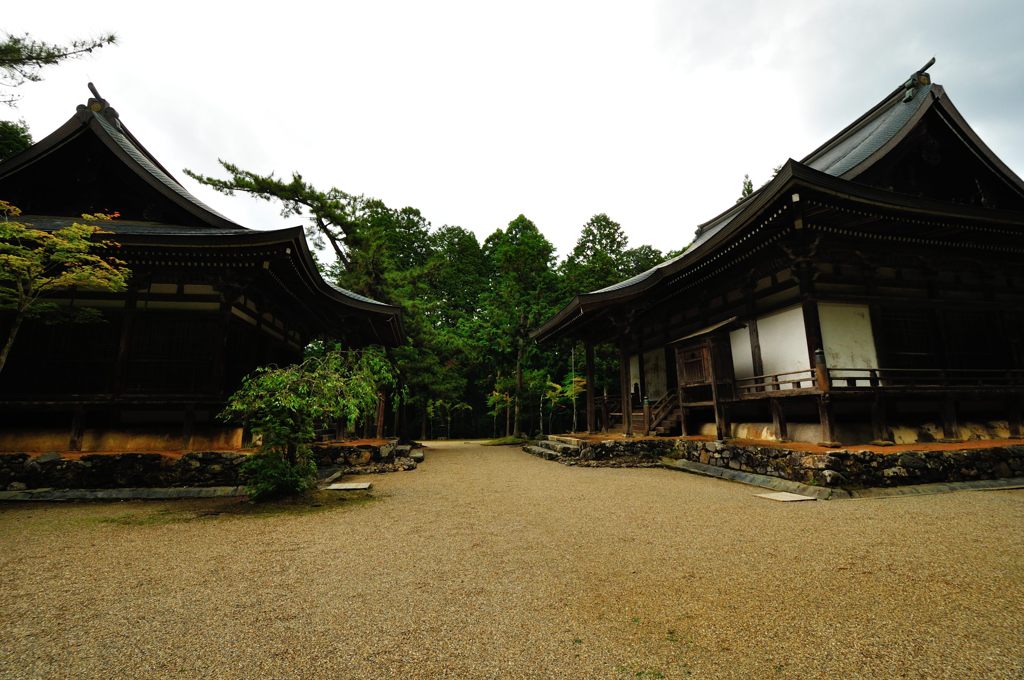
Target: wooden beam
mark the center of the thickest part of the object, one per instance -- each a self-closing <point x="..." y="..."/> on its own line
<point x="591" y="423"/>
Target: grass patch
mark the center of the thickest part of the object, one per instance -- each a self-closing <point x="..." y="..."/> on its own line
<point x="197" y="510"/>
<point x="506" y="441"/>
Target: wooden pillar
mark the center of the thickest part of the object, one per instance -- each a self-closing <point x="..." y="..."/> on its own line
<point x="188" y="427"/>
<point x="221" y="356"/>
<point x="755" y="341"/>
<point x="812" y="328"/>
<point x="828" y="426"/>
<point x="121" y="363"/>
<point x="591" y="424"/>
<point x="641" y="374"/>
<point x="721" y="428"/>
<point x="950" y="424"/>
<point x="755" y="347"/>
<point x="879" y="422"/>
<point x="77" y="429"/>
<point x="1014" y="419"/>
<point x="624" y="384"/>
<point x="778" y="420"/>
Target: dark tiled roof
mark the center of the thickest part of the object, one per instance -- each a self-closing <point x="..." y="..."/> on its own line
<point x="137" y="155"/>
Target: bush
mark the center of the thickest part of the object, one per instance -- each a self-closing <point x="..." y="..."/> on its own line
<point x="270" y="475"/>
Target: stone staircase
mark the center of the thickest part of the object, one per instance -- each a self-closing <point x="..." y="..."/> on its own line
<point x="555" y="447"/>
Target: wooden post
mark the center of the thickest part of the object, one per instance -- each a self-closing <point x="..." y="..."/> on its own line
<point x="121" y="363"/>
<point x="721" y="427"/>
<point x="188" y="427"/>
<point x="828" y="428"/>
<point x="77" y="429"/>
<point x="778" y="420"/>
<point x="591" y="424"/>
<point x="879" y="422"/>
<point x="627" y="396"/>
<point x="950" y="426"/>
<point x="1013" y="421"/>
<point x="221" y="357"/>
<point x="647" y="416"/>
<point x="641" y="374"/>
<point x="812" y="329"/>
<point x="821" y="377"/>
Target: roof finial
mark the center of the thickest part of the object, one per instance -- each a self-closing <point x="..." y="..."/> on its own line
<point x="918" y="77"/>
<point x="99" y="105"/>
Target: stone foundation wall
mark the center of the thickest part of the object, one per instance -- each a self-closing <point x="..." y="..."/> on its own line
<point x="20" y="471"/>
<point x="839" y="468"/>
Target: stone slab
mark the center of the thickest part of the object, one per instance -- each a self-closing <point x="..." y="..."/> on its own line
<point x="763" y="481"/>
<point x="785" y="497"/>
<point x="350" y="486"/>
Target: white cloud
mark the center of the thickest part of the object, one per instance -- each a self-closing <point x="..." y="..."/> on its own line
<point x="474" y="112"/>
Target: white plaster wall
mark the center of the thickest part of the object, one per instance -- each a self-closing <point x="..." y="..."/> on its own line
<point x="742" y="357"/>
<point x="655" y="374"/>
<point x="784" y="343"/>
<point x="847" y="338"/>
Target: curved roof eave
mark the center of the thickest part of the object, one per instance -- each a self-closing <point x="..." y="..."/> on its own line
<point x="127" y="148"/>
<point x="705" y="243"/>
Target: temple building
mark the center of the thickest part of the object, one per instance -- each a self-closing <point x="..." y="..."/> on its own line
<point x="208" y="301"/>
<point x="872" y="291"/>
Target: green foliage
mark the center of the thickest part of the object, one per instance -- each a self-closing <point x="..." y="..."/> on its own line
<point x="284" y="406"/>
<point x="22" y="57"/>
<point x="37" y="264"/>
<point x="748" y="189"/>
<point x="271" y="475"/>
<point x="14" y="138"/>
<point x="602" y="257"/>
<point x="332" y="213"/>
<point x="467" y="308"/>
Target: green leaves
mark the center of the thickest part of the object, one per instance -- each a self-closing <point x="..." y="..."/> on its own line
<point x="22" y="57"/>
<point x="35" y="264"/>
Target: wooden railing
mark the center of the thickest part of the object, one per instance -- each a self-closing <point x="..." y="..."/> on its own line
<point x="840" y="378"/>
<point x="773" y="382"/>
<point x="925" y="378"/>
<point x="661" y="408"/>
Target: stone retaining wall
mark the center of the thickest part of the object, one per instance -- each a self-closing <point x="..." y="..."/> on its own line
<point x="20" y="471"/>
<point x="839" y="468"/>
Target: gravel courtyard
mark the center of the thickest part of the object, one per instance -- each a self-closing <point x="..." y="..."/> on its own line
<point x="489" y="563"/>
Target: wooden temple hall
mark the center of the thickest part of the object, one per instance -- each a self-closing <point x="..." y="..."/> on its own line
<point x="872" y="291"/>
<point x="208" y="301"/>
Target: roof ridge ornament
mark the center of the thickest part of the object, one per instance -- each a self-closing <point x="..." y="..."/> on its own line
<point x="918" y="77"/>
<point x="101" y="106"/>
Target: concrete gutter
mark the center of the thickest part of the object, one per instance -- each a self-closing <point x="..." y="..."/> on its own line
<point x="825" y="493"/>
<point x="129" y="493"/>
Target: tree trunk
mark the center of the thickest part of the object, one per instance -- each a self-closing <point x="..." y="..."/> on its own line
<point x="508" y="419"/>
<point x="18" y="318"/>
<point x="381" y="399"/>
<point x="423" y="424"/>
<point x="519" y="389"/>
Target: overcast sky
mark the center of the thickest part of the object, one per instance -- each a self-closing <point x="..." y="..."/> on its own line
<point x="475" y="112"/>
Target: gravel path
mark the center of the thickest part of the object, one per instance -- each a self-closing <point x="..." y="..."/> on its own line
<point x="490" y="563"/>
